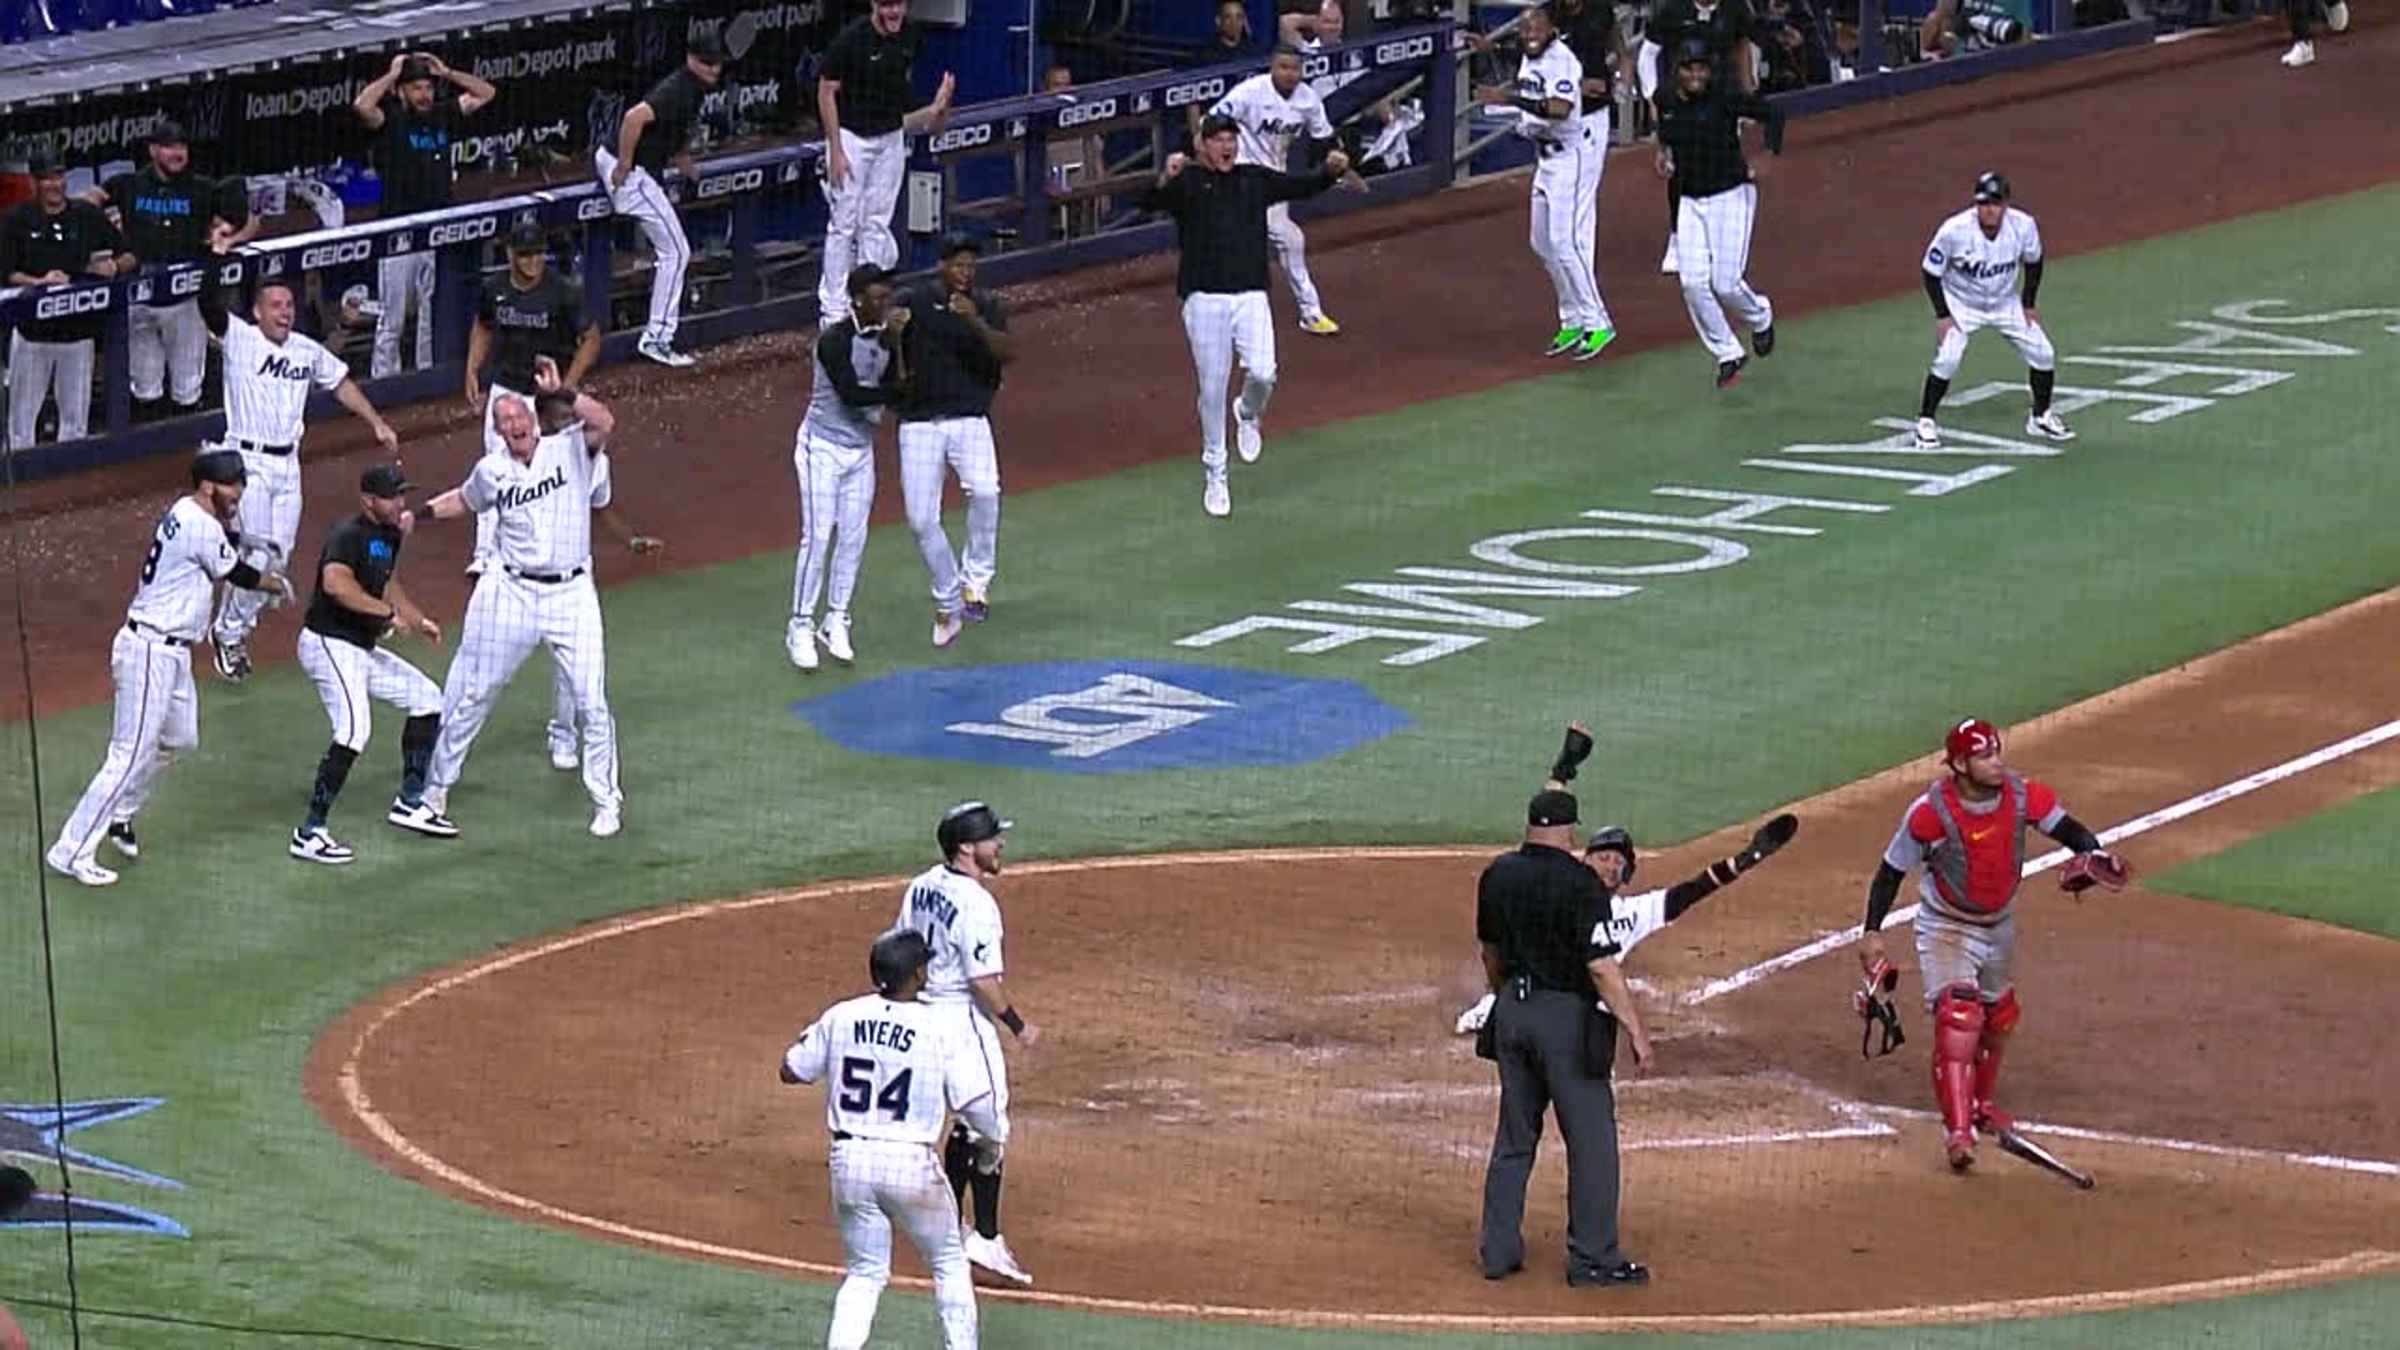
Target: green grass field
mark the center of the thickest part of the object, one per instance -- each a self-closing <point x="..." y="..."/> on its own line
<point x="1813" y="661"/>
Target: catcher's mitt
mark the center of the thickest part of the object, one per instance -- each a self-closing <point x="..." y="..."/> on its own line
<point x="1574" y="752"/>
<point x="2097" y="868"/>
<point x="1873" y="1004"/>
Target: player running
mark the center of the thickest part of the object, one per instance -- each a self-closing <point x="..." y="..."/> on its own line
<point x="157" y="711"/>
<point x="1271" y="110"/>
<point x="1971" y="270"/>
<point x="1967" y="831"/>
<point x="1548" y="97"/>
<point x="860" y="367"/>
<point x="1716" y="189"/>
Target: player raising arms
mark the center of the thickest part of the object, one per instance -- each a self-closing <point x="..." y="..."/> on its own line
<point x="1967" y="831"/>
<point x="1971" y="272"/>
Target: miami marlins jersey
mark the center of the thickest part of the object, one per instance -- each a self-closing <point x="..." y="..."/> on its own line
<point x="1979" y="271"/>
<point x="542" y="508"/>
<point x="849" y="393"/>
<point x="604" y="486"/>
<point x="267" y="383"/>
<point x="961" y="923"/>
<point x="189" y="554"/>
<point x="1632" y="919"/>
<point x="1553" y="74"/>
<point x="892" y="1069"/>
<point x="1269" y="120"/>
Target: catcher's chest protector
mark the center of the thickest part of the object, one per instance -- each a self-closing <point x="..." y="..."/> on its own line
<point x="1980" y="859"/>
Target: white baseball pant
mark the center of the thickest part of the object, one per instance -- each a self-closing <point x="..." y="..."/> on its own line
<point x="398" y="278"/>
<point x="269" y="513"/>
<point x="1596" y="131"/>
<point x="348" y="676"/>
<point x="1290" y="248"/>
<point x="506" y="618"/>
<point x="1712" y="251"/>
<point x="157" y="713"/>
<point x="1220" y="328"/>
<point x="1950" y="952"/>
<point x="2022" y="333"/>
<point x="565" y="729"/>
<point x="874" y="1182"/>
<point x="837" y="488"/>
<point x="164" y="340"/>
<point x="858" y="224"/>
<point x="38" y="370"/>
<point x="1559" y="206"/>
<point x="961" y="445"/>
<point x="487" y="522"/>
<point x="1646" y="61"/>
<point x="646" y="201"/>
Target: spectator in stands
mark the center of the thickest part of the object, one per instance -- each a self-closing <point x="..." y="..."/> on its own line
<point x="1956" y="27"/>
<point x="1075" y="161"/>
<point x="1794" y="46"/>
<point x="51" y="241"/>
<point x="413" y="158"/>
<point x="1228" y="41"/>
<point x="169" y="214"/>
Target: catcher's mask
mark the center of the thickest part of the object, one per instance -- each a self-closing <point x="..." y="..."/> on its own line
<point x="968" y="823"/>
<point x="1618" y="840"/>
<point x="896" y="956"/>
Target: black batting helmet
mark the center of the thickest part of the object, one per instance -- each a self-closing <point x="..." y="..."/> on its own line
<point x="968" y="823"/>
<point x="1695" y="49"/>
<point x="219" y="466"/>
<point x="895" y="956"/>
<point x="1617" y="839"/>
<point x="1991" y="187"/>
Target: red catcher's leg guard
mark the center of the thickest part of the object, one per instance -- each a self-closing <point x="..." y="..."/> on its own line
<point x="1958" y="1030"/>
<point x="1999" y="1020"/>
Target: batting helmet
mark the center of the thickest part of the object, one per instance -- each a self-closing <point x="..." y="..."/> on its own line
<point x="1991" y="187"/>
<point x="219" y="466"/>
<point x="895" y="956"/>
<point x="968" y="823"/>
<point x="1971" y="739"/>
<point x="1694" y="49"/>
<point x="1617" y="839"/>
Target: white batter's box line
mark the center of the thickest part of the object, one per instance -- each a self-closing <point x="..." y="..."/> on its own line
<point x="2331" y="1162"/>
<point x="2189" y="806"/>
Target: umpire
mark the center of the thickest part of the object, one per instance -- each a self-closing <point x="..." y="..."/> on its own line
<point x="1542" y="919"/>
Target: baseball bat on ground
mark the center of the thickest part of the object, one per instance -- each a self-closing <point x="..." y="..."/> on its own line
<point x="2014" y="1143"/>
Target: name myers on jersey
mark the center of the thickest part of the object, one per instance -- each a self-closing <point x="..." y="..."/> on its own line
<point x="526" y="494"/>
<point x="889" y="1035"/>
<point x="926" y="902"/>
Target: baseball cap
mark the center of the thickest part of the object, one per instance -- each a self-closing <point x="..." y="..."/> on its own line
<point x="169" y="132"/>
<point x="384" y="480"/>
<point x="708" y="47"/>
<point x="219" y="466"/>
<point x="415" y="68"/>
<point x="959" y="241"/>
<point x="43" y="164"/>
<point x="528" y="237"/>
<point x="1551" y="807"/>
<point x="1217" y="124"/>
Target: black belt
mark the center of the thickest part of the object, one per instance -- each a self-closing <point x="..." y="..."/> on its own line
<point x="843" y="1136"/>
<point x="551" y="578"/>
<point x="160" y="633"/>
<point x="261" y="447"/>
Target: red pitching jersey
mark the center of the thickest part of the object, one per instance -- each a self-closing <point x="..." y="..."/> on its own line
<point x="1972" y="853"/>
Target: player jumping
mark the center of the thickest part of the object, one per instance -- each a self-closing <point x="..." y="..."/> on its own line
<point x="1971" y="276"/>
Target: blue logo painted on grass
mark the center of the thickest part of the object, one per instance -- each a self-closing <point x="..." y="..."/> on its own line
<point x="1102" y="716"/>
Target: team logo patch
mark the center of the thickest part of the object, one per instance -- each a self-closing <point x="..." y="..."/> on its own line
<point x="1102" y="716"/>
<point x="33" y="1135"/>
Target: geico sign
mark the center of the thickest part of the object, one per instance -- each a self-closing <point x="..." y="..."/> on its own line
<point x="1411" y="49"/>
<point x="461" y="231"/>
<point x="1197" y="91"/>
<point x="185" y="283"/>
<point x="742" y="180"/>
<point x="1313" y="66"/>
<point x="592" y="208"/>
<point x="1087" y="112"/>
<point x="961" y="138"/>
<point x="331" y="255"/>
<point x="70" y="304"/>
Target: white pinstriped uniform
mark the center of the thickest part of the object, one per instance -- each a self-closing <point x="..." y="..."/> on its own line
<point x="150" y="663"/>
<point x="644" y="199"/>
<point x="1564" y="186"/>
<point x="267" y="385"/>
<point x="1268" y="121"/>
<point x="566" y="725"/>
<point x="833" y="455"/>
<point x="1981" y="276"/>
<point x="961" y="924"/>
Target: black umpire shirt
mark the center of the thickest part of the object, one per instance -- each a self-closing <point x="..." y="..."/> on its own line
<point x="953" y="374"/>
<point x="1221" y="222"/>
<point x="166" y="219"/>
<point x="370" y="551"/>
<point x="675" y="105"/>
<point x="545" y="321"/>
<point x="413" y="154"/>
<point x="1541" y="907"/>
<point x="874" y="71"/>
<point x="1705" y="136"/>
<point x="36" y="243"/>
<point x="1591" y="34"/>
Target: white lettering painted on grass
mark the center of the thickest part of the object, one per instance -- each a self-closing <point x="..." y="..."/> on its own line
<point x="1507" y="550"/>
<point x="1438" y="606"/>
<point x="1741" y="515"/>
<point x="1423" y="646"/>
<point x="1120" y="710"/>
<point x="2246" y="311"/>
<point x="2239" y="379"/>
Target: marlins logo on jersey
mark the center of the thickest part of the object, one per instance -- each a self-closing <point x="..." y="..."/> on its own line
<point x="1554" y="74"/>
<point x="266" y="383"/>
<point x="188" y="555"/>
<point x="544" y="507"/>
<point x="1979" y="271"/>
<point x="1269" y="120"/>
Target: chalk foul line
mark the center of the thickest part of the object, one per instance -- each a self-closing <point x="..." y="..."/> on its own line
<point x="2142" y="824"/>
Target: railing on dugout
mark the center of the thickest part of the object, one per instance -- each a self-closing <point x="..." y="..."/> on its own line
<point x="755" y="220"/>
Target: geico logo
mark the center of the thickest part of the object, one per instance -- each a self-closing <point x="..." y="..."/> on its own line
<point x="1409" y="50"/>
<point x="1087" y="112"/>
<point x="591" y="208"/>
<point x="184" y="283"/>
<point x="72" y="303"/>
<point x="331" y="255"/>
<point x="1179" y="94"/>
<point x="959" y="138"/>
<point x="742" y="181"/>
<point x="1312" y="67"/>
<point x="460" y="231"/>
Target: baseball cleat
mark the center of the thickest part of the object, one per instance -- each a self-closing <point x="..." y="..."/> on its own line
<point x="1320" y="324"/>
<point x="565" y="758"/>
<point x="422" y="818"/>
<point x="945" y="628"/>
<point x="120" y="838"/>
<point x="2049" y="426"/>
<point x="232" y="659"/>
<point x="1246" y="442"/>
<point x="992" y="1254"/>
<point x="319" y="847"/>
<point x="2302" y="54"/>
<point x="82" y="870"/>
<point x="1594" y="342"/>
<point x="836" y="636"/>
<point x="800" y="644"/>
<point x="977" y="607"/>
<point x="1566" y="340"/>
<point x="2337" y="17"/>
<point x="665" y="355"/>
<point x="1762" y="342"/>
<point x="1667" y="265"/>
<point x="1929" y="435"/>
<point x="1960" y="1145"/>
<point x="1730" y="372"/>
<point x="606" y="822"/>
<point x="1622" y="1273"/>
<point x="1216" y="498"/>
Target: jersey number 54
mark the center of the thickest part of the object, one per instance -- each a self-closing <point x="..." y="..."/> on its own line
<point x="858" y="1092"/>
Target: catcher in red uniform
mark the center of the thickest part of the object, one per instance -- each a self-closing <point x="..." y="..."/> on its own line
<point x="1967" y="832"/>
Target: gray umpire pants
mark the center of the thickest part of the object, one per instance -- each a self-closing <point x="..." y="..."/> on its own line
<point x="1539" y="1040"/>
<point x="36" y="370"/>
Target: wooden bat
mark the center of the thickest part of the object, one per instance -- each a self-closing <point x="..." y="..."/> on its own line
<point x="2017" y="1144"/>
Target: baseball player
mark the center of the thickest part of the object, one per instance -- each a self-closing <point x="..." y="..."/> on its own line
<point x="1967" y="832"/>
<point x="540" y="592"/>
<point x="1716" y="191"/>
<point x="357" y="598"/>
<point x="896" y="1067"/>
<point x="169" y="214"/>
<point x="949" y="905"/>
<point x="2303" y="16"/>
<point x="654" y="132"/>
<point x="1726" y="26"/>
<point x="565" y="729"/>
<point x="1220" y="208"/>
<point x="863" y="92"/>
<point x="1548" y="97"/>
<point x="523" y="316"/>
<point x="1971" y="272"/>
<point x="955" y="343"/>
<point x="1270" y="110"/>
<point x="413" y="160"/>
<point x="157" y="709"/>
<point x="859" y="369"/>
<point x="51" y="241"/>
